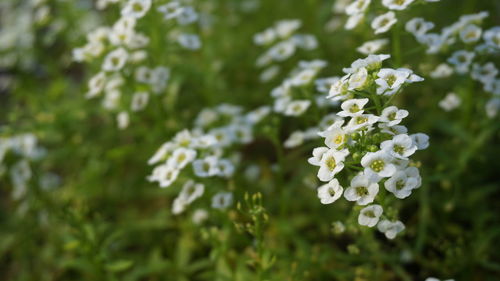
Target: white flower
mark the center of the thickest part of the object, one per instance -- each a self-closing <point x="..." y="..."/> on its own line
<point x="199" y="216"/>
<point x="139" y="101"/>
<point x="334" y="137"/>
<point x="164" y="174"/>
<point x="226" y="168"/>
<point x="484" y="73"/>
<point x="265" y="37"/>
<point x="393" y="130"/>
<point x="390" y="229"/>
<point x="370" y="215"/>
<point x="461" y="60"/>
<point x="282" y="50"/>
<point x="222" y="200"/>
<point x="170" y="10"/>
<point x="392" y="115"/>
<point x="357" y="7"/>
<point x="370" y="63"/>
<point x="136" y="8"/>
<point x="492" y="86"/>
<point x="161" y="153"/>
<point x="371" y="47"/>
<point x="295" y="139"/>
<point x="352" y="107"/>
<point x="192" y="191"/>
<point x="258" y="114"/>
<point x="318" y="153"/>
<point x="360" y="122"/>
<point x="206" y="167"/>
<point x="397" y="4"/>
<point x="296" y="107"/>
<point x="181" y="157"/>
<point x="358" y="79"/>
<point x="330" y="192"/>
<point x="362" y="190"/>
<point x="435" y="279"/>
<point x="492" y="37"/>
<point x="492" y="107"/>
<point x="123" y="120"/>
<point x="189" y="41"/>
<point x="285" y="28"/>
<point x="450" y="102"/>
<point x="332" y="162"/>
<point x="338" y="89"/>
<point x="96" y="85"/>
<point x="115" y="60"/>
<point x="390" y="80"/>
<point x="305" y="41"/>
<point x="323" y="85"/>
<point x="418" y="26"/>
<point x="471" y="33"/>
<point x="443" y="70"/>
<point x="179" y="205"/>
<point x="304" y="77"/>
<point x="420" y="140"/>
<point x="378" y="163"/>
<point x="384" y="22"/>
<point x="269" y="73"/>
<point x="187" y="16"/>
<point x="401" y="147"/>
<point x="353" y="21"/>
<point x="403" y="182"/>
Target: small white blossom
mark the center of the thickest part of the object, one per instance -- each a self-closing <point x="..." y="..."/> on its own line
<point x="115" y="60"/>
<point x="372" y="47"/>
<point x="296" y="107"/>
<point x="206" y="167"/>
<point x="461" y="60"/>
<point x="362" y="189"/>
<point x="443" y="70"/>
<point x="222" y="200"/>
<point x="392" y="115"/>
<point x="390" y="229"/>
<point x="384" y="22"/>
<point x="471" y="33"/>
<point x="370" y="215"/>
<point x="401" y="147"/>
<point x="330" y="192"/>
<point x="136" y="8"/>
<point x="139" y="101"/>
<point x="352" y="107"/>
<point x="378" y="163"/>
<point x="420" y="140"/>
<point x="403" y="182"/>
<point x="450" y="102"/>
<point x="331" y="162"/>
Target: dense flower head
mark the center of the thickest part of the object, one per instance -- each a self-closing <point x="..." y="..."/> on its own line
<point x="367" y="137"/>
<point x="122" y="50"/>
<point x="204" y="149"/>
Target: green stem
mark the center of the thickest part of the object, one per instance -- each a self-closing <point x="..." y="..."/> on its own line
<point x="396" y="45"/>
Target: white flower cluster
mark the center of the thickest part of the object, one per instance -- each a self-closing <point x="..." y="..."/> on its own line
<point x="122" y="52"/>
<point x="372" y="143"/>
<point x="21" y="19"/>
<point x="465" y="31"/>
<point x="16" y="154"/>
<point x="283" y="44"/>
<point x="293" y="96"/>
<point x="183" y="15"/>
<point x="205" y="148"/>
<point x="380" y="24"/>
